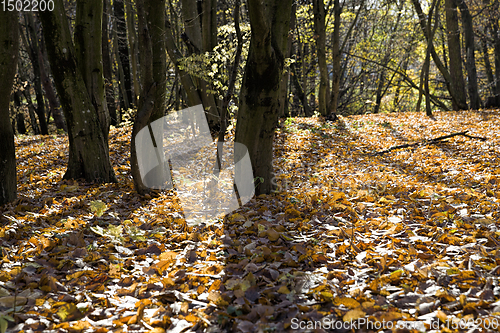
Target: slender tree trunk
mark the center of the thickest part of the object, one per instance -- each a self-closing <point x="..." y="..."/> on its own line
<point x="285" y="78"/>
<point x="21" y="126"/>
<point x="455" y="54"/>
<point x="193" y="37"/>
<point x="193" y="95"/>
<point x="132" y="41"/>
<point x="55" y="106"/>
<point x="155" y="15"/>
<point x="320" y="37"/>
<point x="336" y="70"/>
<point x="29" y="105"/>
<point x="31" y="44"/>
<point x="88" y="151"/>
<point x="457" y="96"/>
<point x="107" y="66"/>
<point x="475" y="101"/>
<point x="123" y="50"/>
<point x="258" y="113"/>
<point x="487" y="65"/>
<point x="9" y="46"/>
<point x="496" y="37"/>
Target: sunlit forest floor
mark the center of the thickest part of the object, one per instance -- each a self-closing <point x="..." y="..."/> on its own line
<point x="351" y="240"/>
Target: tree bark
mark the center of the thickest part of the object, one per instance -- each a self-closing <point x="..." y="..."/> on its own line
<point x="320" y="37"/>
<point x="88" y="151"/>
<point x="107" y="67"/>
<point x="123" y="51"/>
<point x="258" y="113"/>
<point x="31" y="44"/>
<point x="151" y="22"/>
<point x="9" y="46"/>
<point x="456" y="96"/>
<point x="455" y="55"/>
<point x="336" y="70"/>
<point x="134" y="49"/>
<point x="475" y="101"/>
<point x="88" y="48"/>
<point x="193" y="36"/>
<point x="51" y="95"/>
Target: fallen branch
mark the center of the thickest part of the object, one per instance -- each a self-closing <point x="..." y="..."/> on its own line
<point x="429" y="142"/>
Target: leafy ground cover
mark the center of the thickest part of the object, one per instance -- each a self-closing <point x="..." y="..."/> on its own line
<point x="351" y="240"/>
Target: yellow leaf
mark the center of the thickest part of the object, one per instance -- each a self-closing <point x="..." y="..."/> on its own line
<point x="273" y="235"/>
<point x="68" y="312"/>
<point x="348" y="302"/>
<point x="284" y="290"/>
<point x="353" y="315"/>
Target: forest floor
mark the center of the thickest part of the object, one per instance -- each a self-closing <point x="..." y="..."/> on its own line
<point x="352" y="240"/>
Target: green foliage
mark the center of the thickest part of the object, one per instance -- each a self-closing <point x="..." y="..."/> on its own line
<point x="215" y="67"/>
<point x="4" y="322"/>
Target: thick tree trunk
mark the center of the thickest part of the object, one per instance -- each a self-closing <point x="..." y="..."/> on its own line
<point x="455" y="55"/>
<point x="123" y="51"/>
<point x="88" y="47"/>
<point x="151" y="22"/>
<point x="320" y="34"/>
<point x="88" y="151"/>
<point x="9" y="45"/>
<point x="475" y="101"/>
<point x="258" y="113"/>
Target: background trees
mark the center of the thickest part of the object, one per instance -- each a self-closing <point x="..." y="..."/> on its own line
<point x="341" y="56"/>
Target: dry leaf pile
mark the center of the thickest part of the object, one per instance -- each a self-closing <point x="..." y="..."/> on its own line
<point x="411" y="235"/>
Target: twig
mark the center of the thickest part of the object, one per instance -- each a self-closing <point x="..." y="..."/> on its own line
<point x="429" y="142"/>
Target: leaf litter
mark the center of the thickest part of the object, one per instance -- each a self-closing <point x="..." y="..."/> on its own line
<point x="411" y="235"/>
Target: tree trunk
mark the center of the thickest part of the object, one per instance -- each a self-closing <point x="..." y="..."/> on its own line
<point x="151" y="22"/>
<point x="21" y="126"/>
<point x="285" y="78"/>
<point x="88" y="151"/>
<point x="336" y="70"/>
<point x="193" y="37"/>
<point x="107" y="67"/>
<point x="134" y="49"/>
<point x="258" y="113"/>
<point x="88" y="48"/>
<point x="496" y="38"/>
<point x="475" y="101"/>
<point x="51" y="95"/>
<point x="487" y="66"/>
<point x="123" y="51"/>
<point x="9" y="46"/>
<point x="457" y="97"/>
<point x="320" y="36"/>
<point x="155" y="15"/>
<point x="455" y="55"/>
<point x="31" y="44"/>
